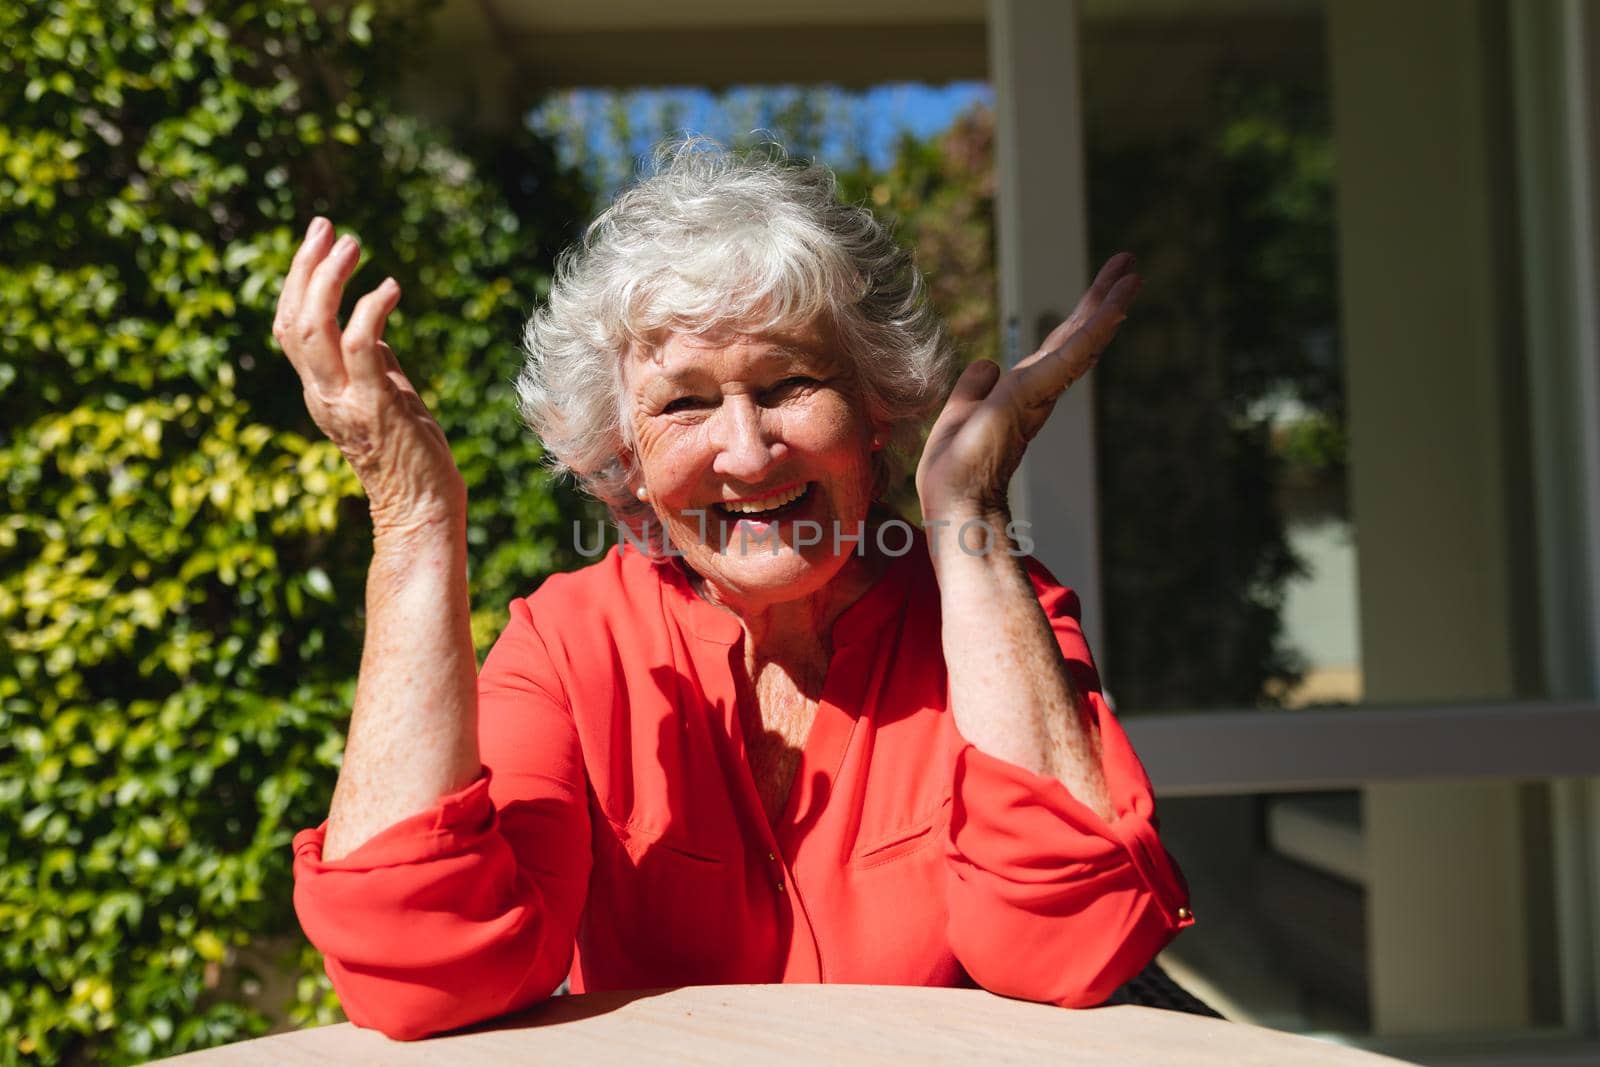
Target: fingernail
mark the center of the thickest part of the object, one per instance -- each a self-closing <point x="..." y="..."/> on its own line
<point x="389" y="285"/>
<point x="345" y="246"/>
<point x="316" y="227"/>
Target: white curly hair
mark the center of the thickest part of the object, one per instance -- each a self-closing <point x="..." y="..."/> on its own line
<point x="715" y="241"/>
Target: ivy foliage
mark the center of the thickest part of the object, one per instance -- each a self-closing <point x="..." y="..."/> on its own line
<point x="181" y="556"/>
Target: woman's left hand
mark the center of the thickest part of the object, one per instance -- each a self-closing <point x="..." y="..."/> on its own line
<point x="979" y="438"/>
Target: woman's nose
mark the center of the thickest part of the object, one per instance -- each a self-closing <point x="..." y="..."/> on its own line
<point x="745" y="448"/>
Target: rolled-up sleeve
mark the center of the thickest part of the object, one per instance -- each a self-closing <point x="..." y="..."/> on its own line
<point x="1047" y="900"/>
<point x="467" y="910"/>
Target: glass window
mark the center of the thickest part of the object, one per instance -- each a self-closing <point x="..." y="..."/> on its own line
<point x="1316" y="439"/>
<point x="1302" y="900"/>
<point x="1229" y="554"/>
<point x="1335" y="452"/>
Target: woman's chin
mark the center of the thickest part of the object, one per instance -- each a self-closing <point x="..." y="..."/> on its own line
<point x="775" y="557"/>
<point x="768" y="571"/>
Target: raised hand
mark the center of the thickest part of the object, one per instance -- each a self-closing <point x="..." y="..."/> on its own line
<point x="356" y="392"/>
<point x="979" y="438"/>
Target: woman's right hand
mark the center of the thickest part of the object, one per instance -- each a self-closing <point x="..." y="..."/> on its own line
<point x="358" y="395"/>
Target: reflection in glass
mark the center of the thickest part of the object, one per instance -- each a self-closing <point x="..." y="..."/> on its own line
<point x="1228" y="556"/>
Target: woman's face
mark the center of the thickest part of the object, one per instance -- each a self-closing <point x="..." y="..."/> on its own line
<point x="755" y="450"/>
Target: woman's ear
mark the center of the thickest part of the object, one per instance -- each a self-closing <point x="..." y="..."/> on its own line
<point x="628" y="462"/>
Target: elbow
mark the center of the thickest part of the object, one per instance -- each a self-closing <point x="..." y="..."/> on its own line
<point x="396" y="1027"/>
<point x="402" y="1010"/>
<point x="476" y="973"/>
<point x="1082" y="952"/>
<point x="423" y="947"/>
<point x="1076" y="980"/>
<point x="406" y="1009"/>
<point x="410" y="1028"/>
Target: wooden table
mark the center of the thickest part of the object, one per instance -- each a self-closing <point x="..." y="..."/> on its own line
<point x="807" y="1024"/>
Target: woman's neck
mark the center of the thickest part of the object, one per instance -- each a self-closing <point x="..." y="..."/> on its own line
<point x="799" y="630"/>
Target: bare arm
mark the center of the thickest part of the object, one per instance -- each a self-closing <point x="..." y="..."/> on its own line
<point x="1009" y="689"/>
<point x="413" y="731"/>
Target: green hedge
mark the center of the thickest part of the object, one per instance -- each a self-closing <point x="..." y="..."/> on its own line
<point x="181" y="555"/>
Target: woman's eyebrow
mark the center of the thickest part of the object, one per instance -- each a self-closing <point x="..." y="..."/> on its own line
<point x="677" y="376"/>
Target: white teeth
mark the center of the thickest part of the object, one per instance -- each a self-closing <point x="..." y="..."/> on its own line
<point x="753" y="507"/>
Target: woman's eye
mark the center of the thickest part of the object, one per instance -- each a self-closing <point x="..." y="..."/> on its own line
<point x="790" y="386"/>
<point x="683" y="403"/>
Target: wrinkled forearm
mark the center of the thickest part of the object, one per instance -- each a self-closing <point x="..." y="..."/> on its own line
<point x="1009" y="689"/>
<point x="413" y="730"/>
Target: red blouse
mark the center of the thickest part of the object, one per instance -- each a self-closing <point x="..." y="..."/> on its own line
<point x="616" y="834"/>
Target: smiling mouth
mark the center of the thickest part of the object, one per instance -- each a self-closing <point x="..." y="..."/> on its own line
<point x="765" y="508"/>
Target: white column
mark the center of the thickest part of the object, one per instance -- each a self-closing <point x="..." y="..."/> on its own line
<point x="1554" y="80"/>
<point x="1580" y="34"/>
<point x="1423" y="280"/>
<point x="1577" y="809"/>
<point x="1043" y="267"/>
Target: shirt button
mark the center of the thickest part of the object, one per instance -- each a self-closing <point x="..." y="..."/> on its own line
<point x="1184" y="915"/>
<point x="772" y="858"/>
<point x="780" y="887"/>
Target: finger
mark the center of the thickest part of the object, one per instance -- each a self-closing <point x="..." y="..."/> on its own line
<point x="359" y="344"/>
<point x="1124" y="285"/>
<point x="1112" y="272"/>
<point x="1044" y="376"/>
<point x="317" y="322"/>
<point x="975" y="383"/>
<point x="311" y="252"/>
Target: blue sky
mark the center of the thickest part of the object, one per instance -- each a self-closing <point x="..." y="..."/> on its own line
<point x="589" y="124"/>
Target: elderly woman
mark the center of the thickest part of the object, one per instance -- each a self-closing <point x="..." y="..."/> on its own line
<point x="782" y="743"/>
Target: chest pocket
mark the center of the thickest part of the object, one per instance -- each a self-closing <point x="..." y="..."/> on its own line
<point x="909" y="840"/>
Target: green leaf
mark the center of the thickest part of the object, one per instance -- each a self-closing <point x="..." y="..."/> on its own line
<point x="179" y="544"/>
<point x="318" y="583"/>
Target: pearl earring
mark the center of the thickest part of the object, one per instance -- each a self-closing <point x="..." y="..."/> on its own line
<point x="642" y="493"/>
